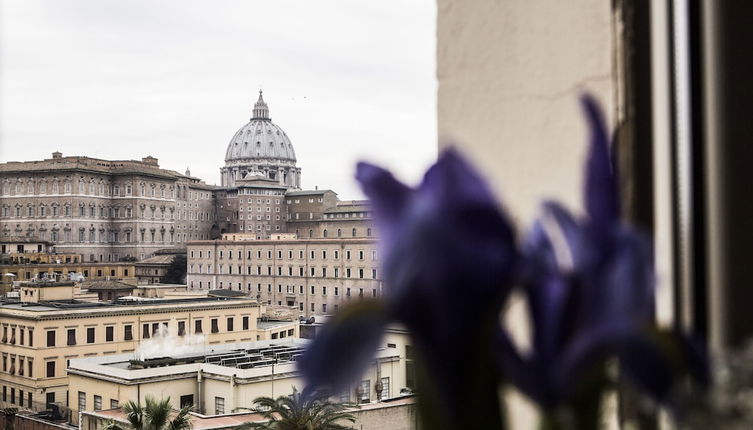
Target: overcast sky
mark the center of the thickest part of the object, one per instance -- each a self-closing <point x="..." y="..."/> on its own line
<point x="347" y="80"/>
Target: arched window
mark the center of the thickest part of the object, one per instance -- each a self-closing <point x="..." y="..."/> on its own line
<point x="324" y="233"/>
<point x="368" y="232"/>
<point x="339" y="233"/>
<point x="354" y="232"/>
<point x="311" y="233"/>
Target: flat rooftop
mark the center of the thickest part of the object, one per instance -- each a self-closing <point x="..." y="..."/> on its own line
<point x="259" y="355"/>
<point x="138" y="305"/>
<point x="265" y="325"/>
<point x="242" y="360"/>
<point x="198" y="421"/>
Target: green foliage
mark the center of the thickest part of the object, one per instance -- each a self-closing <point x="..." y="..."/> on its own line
<point x="176" y="272"/>
<point x="154" y="415"/>
<point x="299" y="412"/>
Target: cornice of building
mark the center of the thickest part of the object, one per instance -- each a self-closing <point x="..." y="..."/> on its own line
<point x="144" y="309"/>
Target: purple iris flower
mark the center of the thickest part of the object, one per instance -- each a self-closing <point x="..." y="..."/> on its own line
<point x="590" y="290"/>
<point x="448" y="257"/>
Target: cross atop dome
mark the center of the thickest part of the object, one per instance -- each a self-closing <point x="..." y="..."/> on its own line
<point x="261" y="111"/>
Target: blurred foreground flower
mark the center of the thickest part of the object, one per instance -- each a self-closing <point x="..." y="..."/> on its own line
<point x="590" y="291"/>
<point x="449" y="261"/>
<point x="449" y="257"/>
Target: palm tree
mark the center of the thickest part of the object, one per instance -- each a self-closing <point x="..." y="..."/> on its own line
<point x="299" y="412"/>
<point x="155" y="415"/>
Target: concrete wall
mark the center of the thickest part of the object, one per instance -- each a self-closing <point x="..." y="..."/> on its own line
<point x="20" y="422"/>
<point x="399" y="416"/>
<point x="509" y="76"/>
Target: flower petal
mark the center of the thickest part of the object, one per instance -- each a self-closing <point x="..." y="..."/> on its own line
<point x="339" y="355"/>
<point x="601" y="190"/>
<point x="388" y="196"/>
<point x="453" y="181"/>
<point x="624" y="292"/>
<point x="519" y="371"/>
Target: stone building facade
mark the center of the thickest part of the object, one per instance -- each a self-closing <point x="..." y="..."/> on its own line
<point x="315" y="276"/>
<point x="110" y="210"/>
<point x="103" y="210"/>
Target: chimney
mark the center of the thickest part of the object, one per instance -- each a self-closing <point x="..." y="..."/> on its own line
<point x="57" y="154"/>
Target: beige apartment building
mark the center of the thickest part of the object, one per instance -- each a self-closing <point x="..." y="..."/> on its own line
<point x="10" y="273"/>
<point x="316" y="276"/>
<point x="39" y="339"/>
<point x="225" y="379"/>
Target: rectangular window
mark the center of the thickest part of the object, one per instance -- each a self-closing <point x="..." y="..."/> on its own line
<point x="385" y="394"/>
<point x="145" y="332"/>
<point x="215" y="326"/>
<point x="71" y="336"/>
<point x="186" y="401"/>
<point x="114" y="404"/>
<point x="181" y="328"/>
<point x="109" y="333"/>
<point x="81" y="401"/>
<point x="230" y="324"/>
<point x="97" y="403"/>
<point x="197" y="327"/>
<point x="50" y="369"/>
<point x="128" y="332"/>
<point x="90" y="335"/>
<point x="219" y="405"/>
<point x="50" y="337"/>
<point x="365" y="390"/>
<point x="245" y="323"/>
